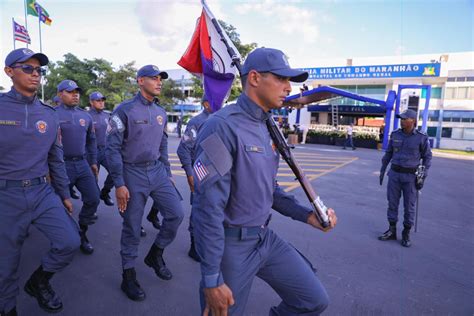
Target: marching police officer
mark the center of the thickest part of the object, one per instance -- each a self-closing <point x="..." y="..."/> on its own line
<point x="137" y="154"/>
<point x="80" y="155"/>
<point x="405" y="149"/>
<point x="186" y="156"/>
<point x="31" y="148"/>
<point x="100" y="120"/>
<point x="235" y="188"/>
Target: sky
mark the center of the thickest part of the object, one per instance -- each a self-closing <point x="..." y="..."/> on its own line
<point x="158" y="31"/>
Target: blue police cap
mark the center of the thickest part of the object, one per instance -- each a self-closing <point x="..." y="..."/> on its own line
<point x="274" y="61"/>
<point x="151" y="71"/>
<point x="23" y="54"/>
<point x="94" y="96"/>
<point x="68" y="85"/>
<point x="408" y="114"/>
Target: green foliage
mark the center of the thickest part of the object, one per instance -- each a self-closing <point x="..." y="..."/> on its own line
<point x="341" y="134"/>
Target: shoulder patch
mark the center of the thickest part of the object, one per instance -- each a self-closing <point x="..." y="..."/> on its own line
<point x="115" y="124"/>
<point x="217" y="153"/>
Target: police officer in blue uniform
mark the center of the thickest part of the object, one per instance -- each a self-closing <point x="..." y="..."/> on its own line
<point x="186" y="156"/>
<point x="100" y="120"/>
<point x="80" y="155"/>
<point x="31" y="148"/>
<point x="137" y="154"/>
<point x="235" y="188"/>
<point x="406" y="148"/>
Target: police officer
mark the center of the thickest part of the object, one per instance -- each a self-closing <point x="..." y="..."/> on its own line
<point x="186" y="156"/>
<point x="137" y="154"/>
<point x="31" y="148"/>
<point x="80" y="155"/>
<point x="407" y="146"/>
<point x="235" y="188"/>
<point x="100" y="120"/>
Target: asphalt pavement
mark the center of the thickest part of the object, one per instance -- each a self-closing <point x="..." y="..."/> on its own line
<point x="362" y="275"/>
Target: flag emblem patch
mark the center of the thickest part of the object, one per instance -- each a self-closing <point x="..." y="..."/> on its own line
<point x="201" y="170"/>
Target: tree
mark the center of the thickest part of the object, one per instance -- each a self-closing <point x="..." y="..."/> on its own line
<point x="170" y="94"/>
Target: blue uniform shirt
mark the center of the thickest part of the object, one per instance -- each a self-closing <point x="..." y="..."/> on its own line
<point x="30" y="141"/>
<point x="77" y="133"/>
<point x="406" y="150"/>
<point x="136" y="134"/>
<point x="235" y="181"/>
<point x="100" y="120"/>
<point x="186" y="146"/>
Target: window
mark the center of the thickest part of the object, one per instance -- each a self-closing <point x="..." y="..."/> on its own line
<point x="462" y="93"/>
<point x="450" y="93"/>
<point x="446" y="132"/>
<point x="468" y="133"/>
<point x="466" y="119"/>
<point x="456" y="133"/>
<point x="432" y="131"/>
<point x="456" y="119"/>
<point x="314" y="118"/>
<point x="435" y="93"/>
<point x="451" y="79"/>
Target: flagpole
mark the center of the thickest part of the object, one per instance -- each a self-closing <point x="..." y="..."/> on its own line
<point x="41" y="51"/>
<point x="13" y="26"/>
<point x="26" y="18"/>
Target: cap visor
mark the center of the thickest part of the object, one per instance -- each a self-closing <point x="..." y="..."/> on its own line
<point x="42" y="58"/>
<point x="293" y="74"/>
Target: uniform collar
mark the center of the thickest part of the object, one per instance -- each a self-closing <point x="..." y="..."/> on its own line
<point x="67" y="108"/>
<point x="252" y="108"/>
<point x="20" y="97"/>
<point x="144" y="101"/>
<point x="95" y="111"/>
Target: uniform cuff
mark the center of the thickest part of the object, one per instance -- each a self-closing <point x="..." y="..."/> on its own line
<point x="213" y="280"/>
<point x="119" y="183"/>
<point x="189" y="170"/>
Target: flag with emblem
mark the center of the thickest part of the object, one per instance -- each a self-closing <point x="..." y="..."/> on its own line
<point x="20" y="33"/>
<point x="35" y="9"/>
<point x="207" y="57"/>
<point x="200" y="170"/>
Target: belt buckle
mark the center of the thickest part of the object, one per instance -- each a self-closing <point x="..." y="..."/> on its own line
<point x="26" y="183"/>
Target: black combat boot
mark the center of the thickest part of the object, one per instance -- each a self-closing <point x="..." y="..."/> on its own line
<point x="86" y="246"/>
<point x="38" y="286"/>
<point x="154" y="259"/>
<point x="152" y="217"/>
<point x="192" y="251"/>
<point x="130" y="285"/>
<point x="142" y="232"/>
<point x="73" y="194"/>
<point x="105" y="196"/>
<point x="12" y="312"/>
<point x="406" y="236"/>
<point x="391" y="233"/>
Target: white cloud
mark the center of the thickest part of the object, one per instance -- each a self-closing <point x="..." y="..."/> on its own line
<point x="287" y="18"/>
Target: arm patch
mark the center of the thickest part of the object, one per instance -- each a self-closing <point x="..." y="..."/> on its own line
<point x="217" y="153"/>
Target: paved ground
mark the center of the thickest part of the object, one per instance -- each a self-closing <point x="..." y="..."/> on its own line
<point x="362" y="275"/>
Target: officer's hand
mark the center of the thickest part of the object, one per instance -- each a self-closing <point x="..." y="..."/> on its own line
<point x="218" y="300"/>
<point x="95" y="170"/>
<point x="419" y="184"/>
<point x="313" y="221"/>
<point x="68" y="205"/>
<point x="191" y="183"/>
<point x="123" y="196"/>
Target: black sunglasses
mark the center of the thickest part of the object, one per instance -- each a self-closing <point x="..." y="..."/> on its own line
<point x="28" y="69"/>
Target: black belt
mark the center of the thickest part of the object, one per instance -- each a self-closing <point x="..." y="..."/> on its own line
<point x="22" y="183"/>
<point x="401" y="169"/>
<point x="73" y="158"/>
<point x="243" y="232"/>
<point x="142" y="164"/>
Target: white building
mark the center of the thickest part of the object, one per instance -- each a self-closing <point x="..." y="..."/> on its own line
<point x="451" y="76"/>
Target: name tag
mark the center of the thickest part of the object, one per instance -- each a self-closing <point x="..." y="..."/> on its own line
<point x="10" y="123"/>
<point x="253" y="149"/>
<point x="140" y="121"/>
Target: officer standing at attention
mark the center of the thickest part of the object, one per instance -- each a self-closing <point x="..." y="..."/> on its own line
<point x="80" y="155"/>
<point x="137" y="154"/>
<point x="100" y="120"/>
<point x="235" y="188"/>
<point x="186" y="156"/>
<point x="405" y="149"/>
<point x="31" y="148"/>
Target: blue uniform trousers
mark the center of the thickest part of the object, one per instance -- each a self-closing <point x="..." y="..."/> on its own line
<point x="143" y="182"/>
<point x="273" y="260"/>
<point x="19" y="208"/>
<point x="81" y="176"/>
<point x="399" y="183"/>
<point x="102" y="161"/>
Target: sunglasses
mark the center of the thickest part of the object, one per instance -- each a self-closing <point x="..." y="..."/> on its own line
<point x="28" y="69"/>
